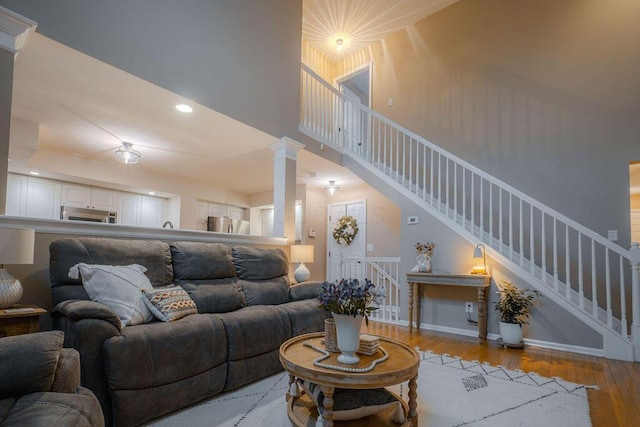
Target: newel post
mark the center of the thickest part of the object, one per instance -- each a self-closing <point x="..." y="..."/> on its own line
<point x="634" y="258"/>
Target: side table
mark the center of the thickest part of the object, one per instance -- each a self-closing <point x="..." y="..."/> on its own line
<point x="20" y="319"/>
<point x="481" y="282"/>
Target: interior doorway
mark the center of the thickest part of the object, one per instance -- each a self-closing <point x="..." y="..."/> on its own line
<point x="356" y="87"/>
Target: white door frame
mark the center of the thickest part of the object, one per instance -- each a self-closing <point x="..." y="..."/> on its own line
<point x="362" y="227"/>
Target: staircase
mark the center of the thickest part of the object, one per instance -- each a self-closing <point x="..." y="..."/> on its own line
<point x="586" y="274"/>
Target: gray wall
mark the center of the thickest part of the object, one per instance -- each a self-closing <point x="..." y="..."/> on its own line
<point x="240" y="58"/>
<point x="542" y="94"/>
<point x="443" y="306"/>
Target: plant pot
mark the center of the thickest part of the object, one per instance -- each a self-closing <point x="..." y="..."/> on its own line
<point x="348" y="332"/>
<point x="511" y="333"/>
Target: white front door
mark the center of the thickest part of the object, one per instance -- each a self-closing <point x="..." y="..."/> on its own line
<point x="336" y="252"/>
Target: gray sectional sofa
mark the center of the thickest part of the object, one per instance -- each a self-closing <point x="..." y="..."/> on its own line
<point x="246" y="310"/>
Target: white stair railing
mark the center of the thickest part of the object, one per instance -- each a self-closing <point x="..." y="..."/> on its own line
<point x="383" y="272"/>
<point x="587" y="274"/>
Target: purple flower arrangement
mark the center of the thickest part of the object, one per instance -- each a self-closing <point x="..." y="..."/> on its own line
<point x="351" y="297"/>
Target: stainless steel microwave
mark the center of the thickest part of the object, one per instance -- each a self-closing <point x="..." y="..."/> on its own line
<point x="87" y="215"/>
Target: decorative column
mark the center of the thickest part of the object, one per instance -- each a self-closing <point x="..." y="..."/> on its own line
<point x="284" y="187"/>
<point x="14" y="30"/>
<point x="634" y="257"/>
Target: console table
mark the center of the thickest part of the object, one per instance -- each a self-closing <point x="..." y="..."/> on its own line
<point x="479" y="281"/>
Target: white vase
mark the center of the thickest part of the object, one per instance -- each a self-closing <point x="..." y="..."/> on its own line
<point x="424" y="263"/>
<point x="511" y="333"/>
<point x="348" y="332"/>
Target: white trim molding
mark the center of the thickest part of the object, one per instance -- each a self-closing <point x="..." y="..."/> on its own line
<point x="14" y="30"/>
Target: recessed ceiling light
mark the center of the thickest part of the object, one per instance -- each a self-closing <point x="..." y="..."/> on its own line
<point x="34" y="173"/>
<point x="184" y="108"/>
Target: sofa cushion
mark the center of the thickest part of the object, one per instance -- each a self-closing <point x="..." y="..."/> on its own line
<point x="159" y="353"/>
<point x="40" y="358"/>
<point x="259" y="264"/>
<point x="169" y="303"/>
<point x="215" y="296"/>
<point x="266" y="292"/>
<point x="305" y="316"/>
<point x="305" y="290"/>
<point x="256" y="330"/>
<point x="118" y="287"/>
<point x="65" y="253"/>
<point x="197" y="260"/>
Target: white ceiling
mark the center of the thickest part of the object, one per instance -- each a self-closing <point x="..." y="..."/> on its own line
<point x="88" y="112"/>
<point x="359" y="23"/>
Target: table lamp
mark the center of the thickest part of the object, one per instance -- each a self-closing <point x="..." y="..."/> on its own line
<point x="16" y="247"/>
<point x="480" y="252"/>
<point x="301" y="254"/>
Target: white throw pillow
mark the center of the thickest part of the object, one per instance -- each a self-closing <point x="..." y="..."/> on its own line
<point x="117" y="286"/>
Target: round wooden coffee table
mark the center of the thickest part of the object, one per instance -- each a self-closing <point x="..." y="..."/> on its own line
<point x="297" y="359"/>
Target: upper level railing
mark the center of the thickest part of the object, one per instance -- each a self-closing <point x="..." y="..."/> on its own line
<point x="560" y="256"/>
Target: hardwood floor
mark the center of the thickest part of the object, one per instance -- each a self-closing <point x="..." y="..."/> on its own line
<point x="616" y="403"/>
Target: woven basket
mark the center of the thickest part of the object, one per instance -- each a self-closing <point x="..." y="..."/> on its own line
<point x="330" y="336"/>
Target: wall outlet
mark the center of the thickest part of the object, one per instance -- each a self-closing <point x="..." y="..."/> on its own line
<point x="468" y="307"/>
<point x="612" y="235"/>
<point x="411" y="220"/>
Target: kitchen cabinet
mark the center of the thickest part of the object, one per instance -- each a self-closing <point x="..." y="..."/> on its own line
<point x="151" y="211"/>
<point x="16" y="204"/>
<point x="129" y="209"/>
<point x="81" y="196"/>
<point x="43" y="198"/>
<point x="144" y="211"/>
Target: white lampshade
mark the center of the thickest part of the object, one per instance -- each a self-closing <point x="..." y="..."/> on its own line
<point x="301" y="254"/>
<point x="16" y="247"/>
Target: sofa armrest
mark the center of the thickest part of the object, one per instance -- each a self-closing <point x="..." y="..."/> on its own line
<point x="80" y="408"/>
<point x="76" y="310"/>
<point x="305" y="290"/>
<point x="67" y="376"/>
<point x="86" y="326"/>
<point x="28" y="363"/>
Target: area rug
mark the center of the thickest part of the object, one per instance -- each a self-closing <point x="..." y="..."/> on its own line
<point x="451" y="392"/>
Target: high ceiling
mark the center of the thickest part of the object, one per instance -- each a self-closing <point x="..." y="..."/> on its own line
<point x="86" y="114"/>
<point x="359" y="23"/>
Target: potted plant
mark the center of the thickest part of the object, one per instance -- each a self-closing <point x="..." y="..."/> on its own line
<point x="350" y="301"/>
<point x="514" y="305"/>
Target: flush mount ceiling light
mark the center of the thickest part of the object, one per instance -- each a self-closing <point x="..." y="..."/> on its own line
<point x="331" y="188"/>
<point x="184" y="108"/>
<point x="339" y="43"/>
<point x="127" y="155"/>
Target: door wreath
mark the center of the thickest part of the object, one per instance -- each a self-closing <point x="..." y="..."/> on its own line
<point x="345" y="230"/>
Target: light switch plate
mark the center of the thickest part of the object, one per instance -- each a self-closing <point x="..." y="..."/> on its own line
<point x="369" y="247"/>
<point x="612" y="235"/>
<point x="312" y="232"/>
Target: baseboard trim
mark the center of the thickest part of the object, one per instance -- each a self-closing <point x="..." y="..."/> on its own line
<point x="532" y="342"/>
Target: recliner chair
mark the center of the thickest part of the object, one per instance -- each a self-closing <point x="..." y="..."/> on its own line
<point x="40" y="383"/>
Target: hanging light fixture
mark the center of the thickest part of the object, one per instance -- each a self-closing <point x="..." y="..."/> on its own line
<point x="126" y="154"/>
<point x="331" y="188"/>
